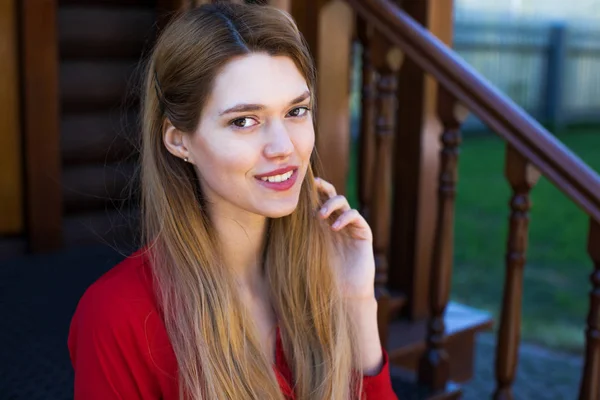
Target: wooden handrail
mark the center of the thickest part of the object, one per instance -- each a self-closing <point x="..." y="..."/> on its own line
<point x="554" y="160"/>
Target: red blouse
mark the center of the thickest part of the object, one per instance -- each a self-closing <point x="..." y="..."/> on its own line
<point x="120" y="349"/>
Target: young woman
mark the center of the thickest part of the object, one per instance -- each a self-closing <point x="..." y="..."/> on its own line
<point x="248" y="286"/>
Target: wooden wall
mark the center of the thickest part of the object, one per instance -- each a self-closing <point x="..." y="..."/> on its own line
<point x="11" y="190"/>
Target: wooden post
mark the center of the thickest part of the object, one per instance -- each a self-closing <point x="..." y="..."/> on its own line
<point x="11" y="177"/>
<point x="328" y="27"/>
<point x="590" y="382"/>
<point x="522" y="177"/>
<point x="416" y="164"/>
<point x="336" y="27"/>
<point x="41" y="119"/>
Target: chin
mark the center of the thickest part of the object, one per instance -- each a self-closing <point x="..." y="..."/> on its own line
<point x="279" y="210"/>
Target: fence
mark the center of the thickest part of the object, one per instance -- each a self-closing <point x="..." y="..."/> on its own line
<point x="552" y="70"/>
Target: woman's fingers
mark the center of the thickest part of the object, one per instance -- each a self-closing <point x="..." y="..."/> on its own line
<point x="326" y="187"/>
<point x="338" y="202"/>
<point x="352" y="220"/>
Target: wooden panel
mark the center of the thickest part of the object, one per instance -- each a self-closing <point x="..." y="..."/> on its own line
<point x="285" y="5"/>
<point x="94" y="187"/>
<point x="41" y="118"/>
<point x="108" y="137"/>
<point x="83" y="33"/>
<point x="114" y="227"/>
<point x="87" y="86"/>
<point x="336" y="27"/>
<point x="105" y="3"/>
<point x="306" y="15"/>
<point x="11" y="193"/>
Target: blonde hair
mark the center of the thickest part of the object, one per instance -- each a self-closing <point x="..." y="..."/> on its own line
<point x="218" y="356"/>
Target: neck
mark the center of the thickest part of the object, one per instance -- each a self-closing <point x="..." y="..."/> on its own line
<point x="242" y="239"/>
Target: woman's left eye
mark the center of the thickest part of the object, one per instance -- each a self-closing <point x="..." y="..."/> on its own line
<point x="299" y="112"/>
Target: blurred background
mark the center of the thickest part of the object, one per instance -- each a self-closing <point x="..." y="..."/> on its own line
<point x="545" y="56"/>
<point x="69" y="81"/>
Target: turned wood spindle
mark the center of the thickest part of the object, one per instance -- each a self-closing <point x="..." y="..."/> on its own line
<point x="366" y="149"/>
<point x="590" y="382"/>
<point x="381" y="179"/>
<point x="434" y="367"/>
<point x="522" y="177"/>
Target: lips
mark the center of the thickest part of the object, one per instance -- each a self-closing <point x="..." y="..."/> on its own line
<point x="281" y="185"/>
<point x="279" y="171"/>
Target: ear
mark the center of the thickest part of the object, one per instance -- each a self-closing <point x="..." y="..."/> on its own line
<point x="176" y="141"/>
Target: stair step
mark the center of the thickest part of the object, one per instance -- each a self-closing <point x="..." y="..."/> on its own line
<point x="406" y="387"/>
<point x="406" y="339"/>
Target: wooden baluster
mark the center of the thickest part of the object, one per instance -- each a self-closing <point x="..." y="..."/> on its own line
<point x="387" y="63"/>
<point x="366" y="149"/>
<point x="381" y="178"/>
<point x="522" y="176"/>
<point x="434" y="366"/>
<point x="590" y="382"/>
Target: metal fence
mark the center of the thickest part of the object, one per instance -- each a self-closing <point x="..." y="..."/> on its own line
<point x="552" y="70"/>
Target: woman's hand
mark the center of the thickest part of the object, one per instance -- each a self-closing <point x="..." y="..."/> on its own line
<point x="354" y="257"/>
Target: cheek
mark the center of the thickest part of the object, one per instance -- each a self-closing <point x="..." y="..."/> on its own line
<point x="304" y="141"/>
<point x="223" y="159"/>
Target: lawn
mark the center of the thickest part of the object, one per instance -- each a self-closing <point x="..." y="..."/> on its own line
<point x="556" y="278"/>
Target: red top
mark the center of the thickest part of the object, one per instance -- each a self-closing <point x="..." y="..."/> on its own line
<point x="120" y="349"/>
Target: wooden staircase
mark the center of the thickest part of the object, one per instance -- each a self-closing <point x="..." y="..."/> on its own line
<point x="433" y="347"/>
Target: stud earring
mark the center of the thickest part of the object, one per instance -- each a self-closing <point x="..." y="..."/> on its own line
<point x="186" y="159"/>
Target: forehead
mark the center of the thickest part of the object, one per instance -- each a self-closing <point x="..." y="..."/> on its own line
<point x="257" y="78"/>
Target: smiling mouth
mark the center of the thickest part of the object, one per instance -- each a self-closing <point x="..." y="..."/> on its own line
<point x="278" y="178"/>
<point x="279" y="182"/>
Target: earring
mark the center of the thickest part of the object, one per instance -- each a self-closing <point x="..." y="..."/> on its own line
<point x="186" y="159"/>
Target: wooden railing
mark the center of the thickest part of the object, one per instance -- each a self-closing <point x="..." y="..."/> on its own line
<point x="531" y="151"/>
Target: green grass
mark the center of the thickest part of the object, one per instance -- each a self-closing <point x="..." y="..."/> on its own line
<point x="556" y="277"/>
<point x="556" y="283"/>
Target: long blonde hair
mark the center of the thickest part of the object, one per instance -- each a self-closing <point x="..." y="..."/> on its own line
<point x="218" y="356"/>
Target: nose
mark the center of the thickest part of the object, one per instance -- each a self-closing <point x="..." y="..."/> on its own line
<point x="279" y="144"/>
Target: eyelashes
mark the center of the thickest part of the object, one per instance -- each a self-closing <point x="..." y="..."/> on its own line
<point x="248" y="122"/>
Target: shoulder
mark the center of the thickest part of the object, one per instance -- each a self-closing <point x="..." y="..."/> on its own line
<point x="117" y="338"/>
<point x="120" y="301"/>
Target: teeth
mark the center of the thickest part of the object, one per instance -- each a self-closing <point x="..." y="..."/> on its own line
<point x="278" y="178"/>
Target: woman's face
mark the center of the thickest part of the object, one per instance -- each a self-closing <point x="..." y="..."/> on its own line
<point x="253" y="143"/>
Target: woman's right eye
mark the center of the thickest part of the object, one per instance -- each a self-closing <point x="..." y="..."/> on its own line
<point x="245" y="122"/>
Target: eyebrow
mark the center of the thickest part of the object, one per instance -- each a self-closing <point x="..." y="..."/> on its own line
<point x="258" y="107"/>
